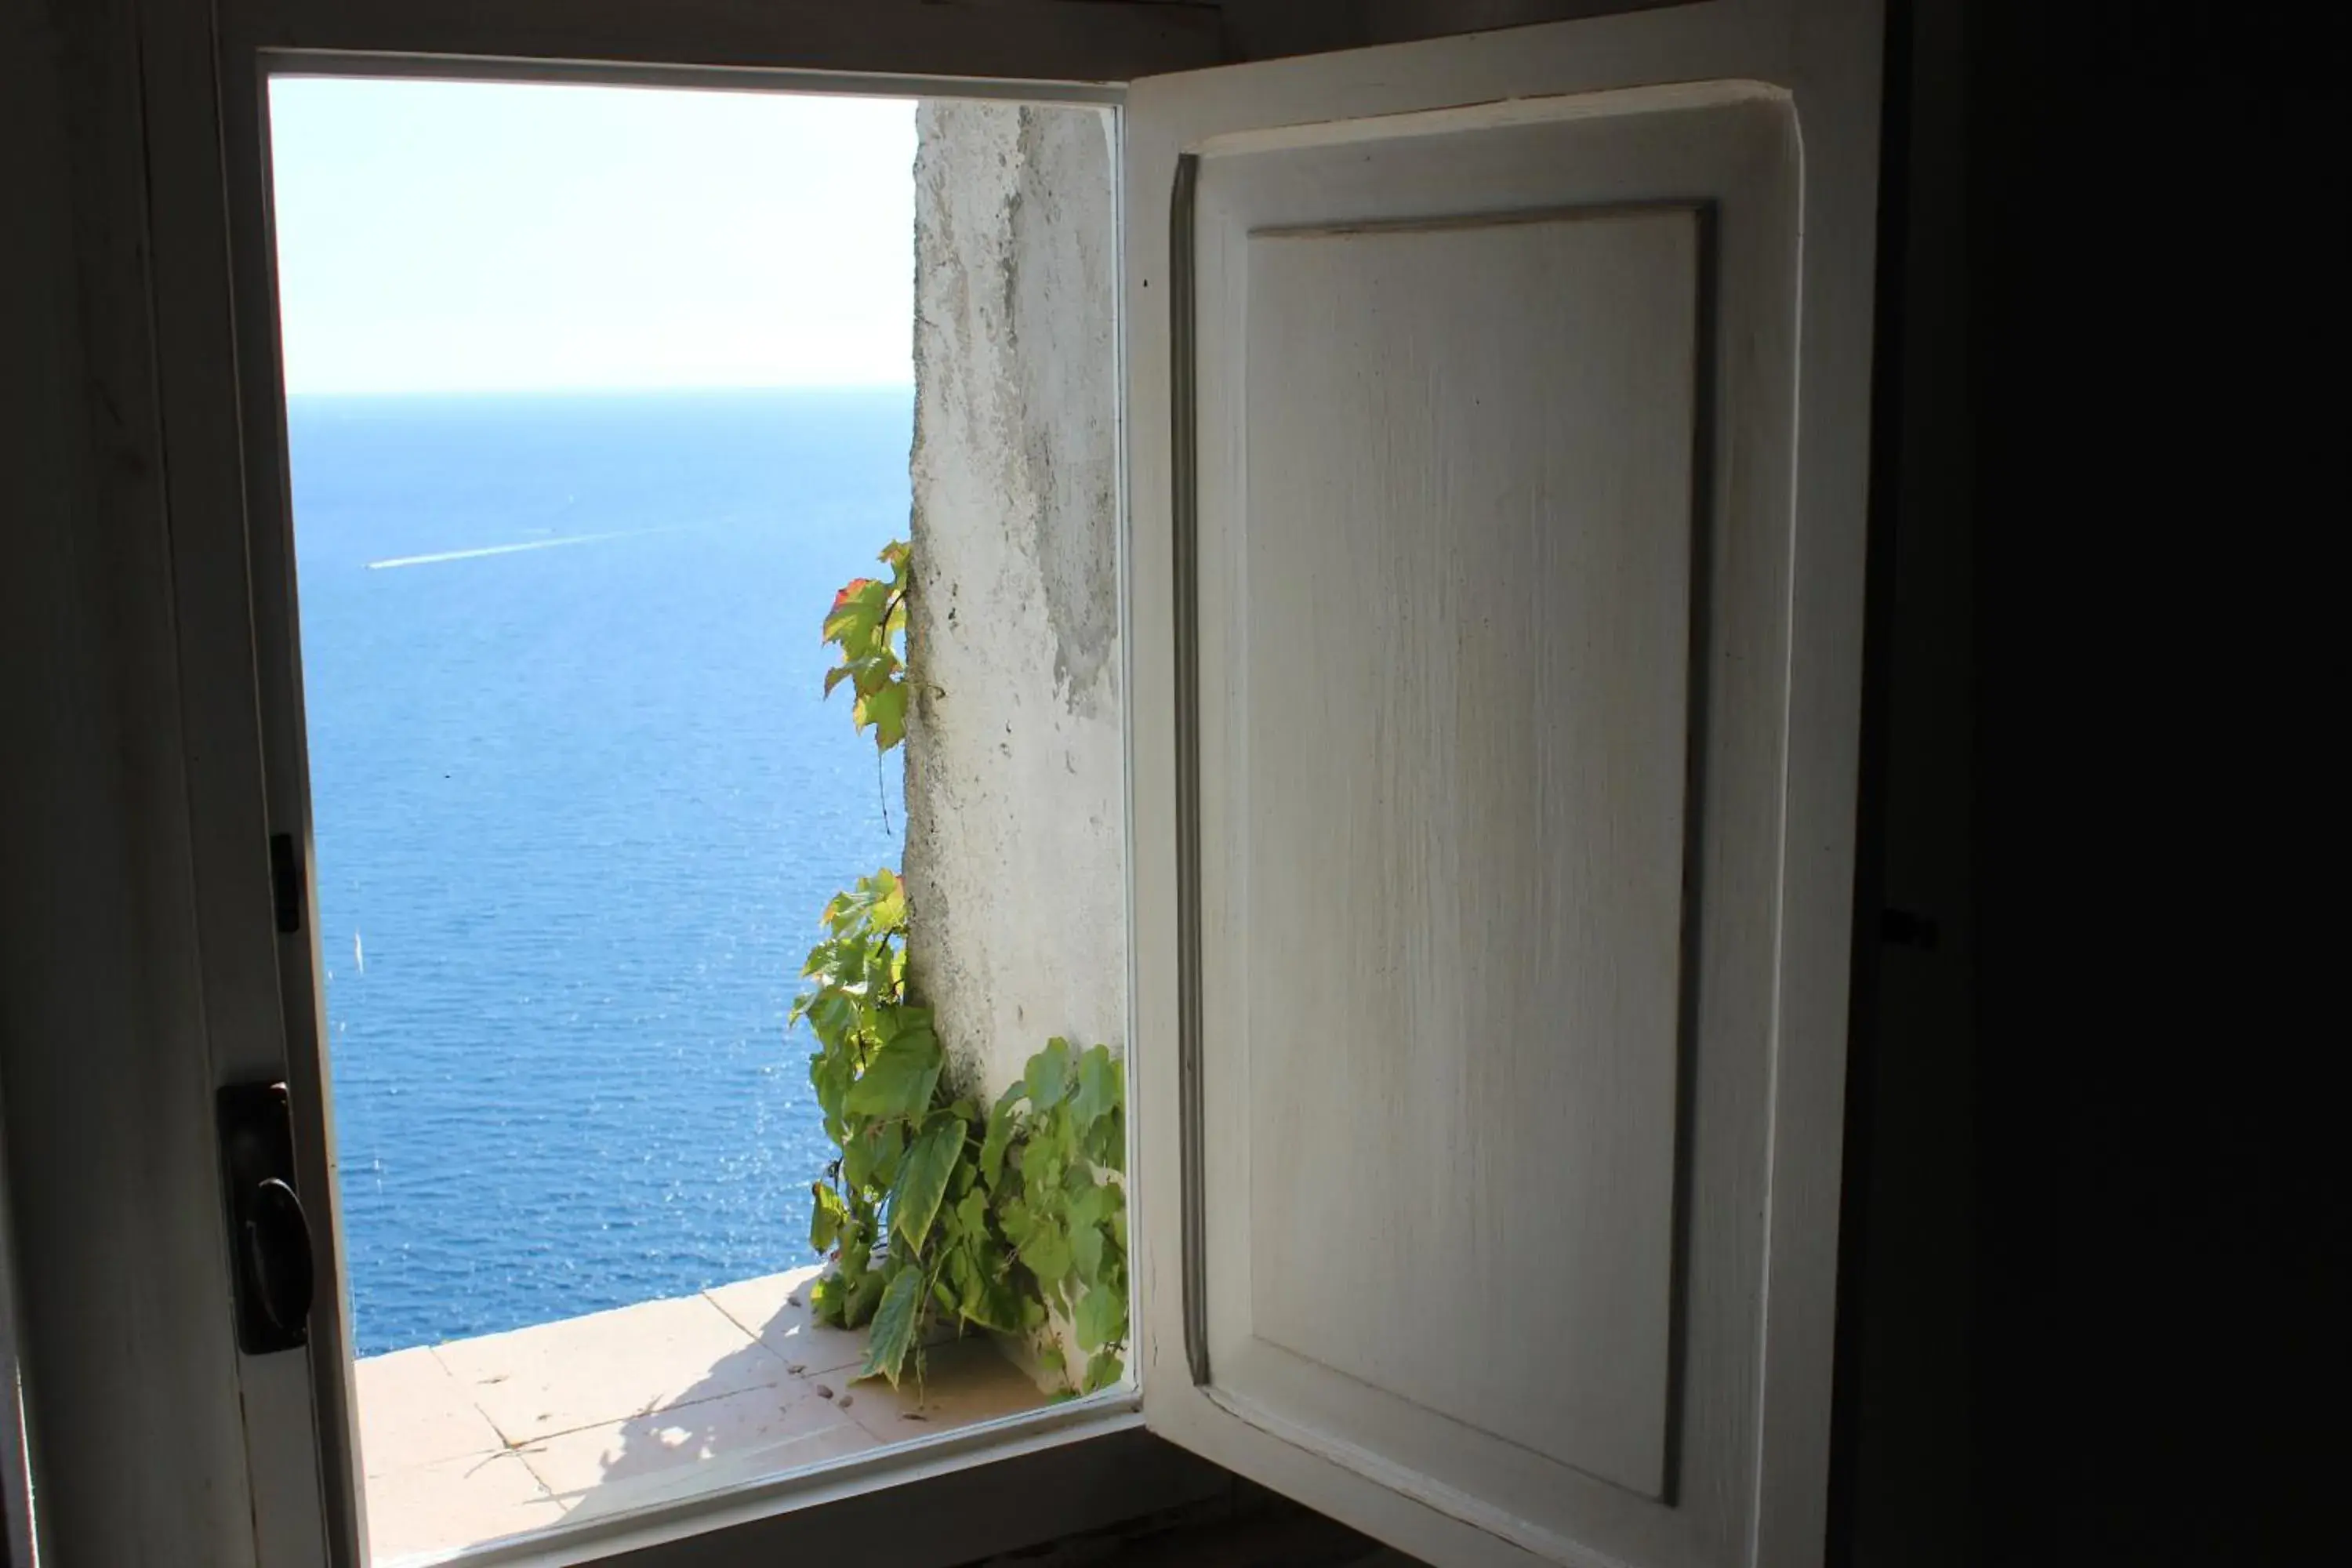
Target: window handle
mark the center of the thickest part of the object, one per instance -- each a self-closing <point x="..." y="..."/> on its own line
<point x="269" y="1234"/>
<point x="277" y="1257"/>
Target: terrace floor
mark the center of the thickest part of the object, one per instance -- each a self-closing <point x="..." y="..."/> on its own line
<point x="467" y="1442"/>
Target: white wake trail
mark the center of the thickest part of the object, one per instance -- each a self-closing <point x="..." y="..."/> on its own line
<point x="511" y="549"/>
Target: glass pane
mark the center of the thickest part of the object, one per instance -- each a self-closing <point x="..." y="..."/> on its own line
<point x="597" y="400"/>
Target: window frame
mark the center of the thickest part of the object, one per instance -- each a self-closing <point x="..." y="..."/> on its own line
<point x="204" y="71"/>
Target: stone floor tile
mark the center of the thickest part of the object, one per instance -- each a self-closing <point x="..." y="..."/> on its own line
<point x="625" y="1409"/>
<point x="608" y="1366"/>
<point x="412" y="1413"/>
<point x="682" y="1438"/>
<point x="964" y="1381"/>
<point x="767" y="1308"/>
<point x="452" y="1503"/>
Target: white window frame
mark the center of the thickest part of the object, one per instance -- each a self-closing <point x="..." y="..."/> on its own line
<point x="203" y="71"/>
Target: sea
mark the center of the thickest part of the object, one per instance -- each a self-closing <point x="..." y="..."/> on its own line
<point x="578" y="801"/>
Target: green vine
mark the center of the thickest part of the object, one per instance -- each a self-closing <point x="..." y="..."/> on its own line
<point x="931" y="1213"/>
<point x="868" y="620"/>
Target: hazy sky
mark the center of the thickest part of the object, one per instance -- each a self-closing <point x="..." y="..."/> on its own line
<point x="456" y="236"/>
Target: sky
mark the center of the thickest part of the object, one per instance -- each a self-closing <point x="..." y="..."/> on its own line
<point x="459" y="236"/>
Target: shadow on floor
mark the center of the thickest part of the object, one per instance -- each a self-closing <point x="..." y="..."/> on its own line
<point x="750" y="1416"/>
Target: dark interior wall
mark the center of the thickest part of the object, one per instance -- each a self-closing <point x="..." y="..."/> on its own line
<point x="1262" y="29"/>
<point x="2159" y="281"/>
<point x="1900" y="1475"/>
<point x="2094" y="1292"/>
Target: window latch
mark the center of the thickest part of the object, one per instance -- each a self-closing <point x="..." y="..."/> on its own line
<point x="268" y="1233"/>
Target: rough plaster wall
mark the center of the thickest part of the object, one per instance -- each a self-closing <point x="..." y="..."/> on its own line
<point x="1015" y="880"/>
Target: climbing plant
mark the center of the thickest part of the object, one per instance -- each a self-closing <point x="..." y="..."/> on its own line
<point x="929" y="1210"/>
<point x="1052" y="1163"/>
<point x="868" y="623"/>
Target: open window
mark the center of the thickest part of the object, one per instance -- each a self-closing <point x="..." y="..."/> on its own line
<point x="1493" y="417"/>
<point x="724" y="1005"/>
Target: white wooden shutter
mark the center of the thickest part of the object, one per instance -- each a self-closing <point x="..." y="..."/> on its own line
<point x="1499" y="418"/>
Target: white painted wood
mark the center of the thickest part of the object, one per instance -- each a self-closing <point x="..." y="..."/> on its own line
<point x="1443" y="766"/>
<point x="1510" y="442"/>
<point x="929" y="1503"/>
<point x="227" y="802"/>
<point x="124" y="1321"/>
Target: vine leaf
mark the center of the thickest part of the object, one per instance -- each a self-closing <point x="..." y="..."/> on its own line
<point x="857" y="614"/>
<point x="1000" y="1134"/>
<point x="893" y="1334"/>
<point x="1097" y="1088"/>
<point x="867" y="618"/>
<point x="829" y="1075"/>
<point x="899" y="1081"/>
<point x="1106" y="1140"/>
<point x="862" y="1296"/>
<point x="869" y="1156"/>
<point x="830" y="1013"/>
<point x="825" y="1218"/>
<point x="1049" y="1075"/>
<point x="1103" y="1371"/>
<point x="885" y="709"/>
<point x="1086" y="1250"/>
<point x="1043" y="1158"/>
<point x="972" y="1219"/>
<point x="1101" y="1317"/>
<point x="1092" y="1203"/>
<point x="881" y="901"/>
<point x="923" y="1179"/>
<point x="857" y="1160"/>
<point x="1047" y="1251"/>
<point x="994" y="1306"/>
<point x="846" y="1298"/>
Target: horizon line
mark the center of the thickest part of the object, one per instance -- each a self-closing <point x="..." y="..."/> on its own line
<point x="568" y="390"/>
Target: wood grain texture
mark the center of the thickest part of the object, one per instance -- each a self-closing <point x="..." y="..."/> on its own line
<point x="228" y="801"/>
<point x="125" y="1342"/>
<point x="1714" y="108"/>
<point x="1463" y="580"/>
<point x="1523" y="165"/>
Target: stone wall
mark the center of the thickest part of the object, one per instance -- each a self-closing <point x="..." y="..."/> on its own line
<point x="1014" y="867"/>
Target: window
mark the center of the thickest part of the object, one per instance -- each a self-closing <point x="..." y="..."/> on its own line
<point x="1489" y="598"/>
<point x="597" y="396"/>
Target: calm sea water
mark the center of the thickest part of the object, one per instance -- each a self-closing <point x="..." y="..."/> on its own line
<point x="578" y="806"/>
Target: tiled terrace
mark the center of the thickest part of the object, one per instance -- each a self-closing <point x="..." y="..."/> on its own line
<point x="467" y="1442"/>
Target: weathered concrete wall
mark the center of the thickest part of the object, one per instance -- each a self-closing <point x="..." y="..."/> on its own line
<point x="1014" y="867"/>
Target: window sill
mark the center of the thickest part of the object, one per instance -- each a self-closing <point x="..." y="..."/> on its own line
<point x="929" y="1502"/>
<point x="476" y="1440"/>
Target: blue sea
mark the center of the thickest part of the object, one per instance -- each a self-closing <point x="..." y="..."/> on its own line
<point x="578" y="801"/>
